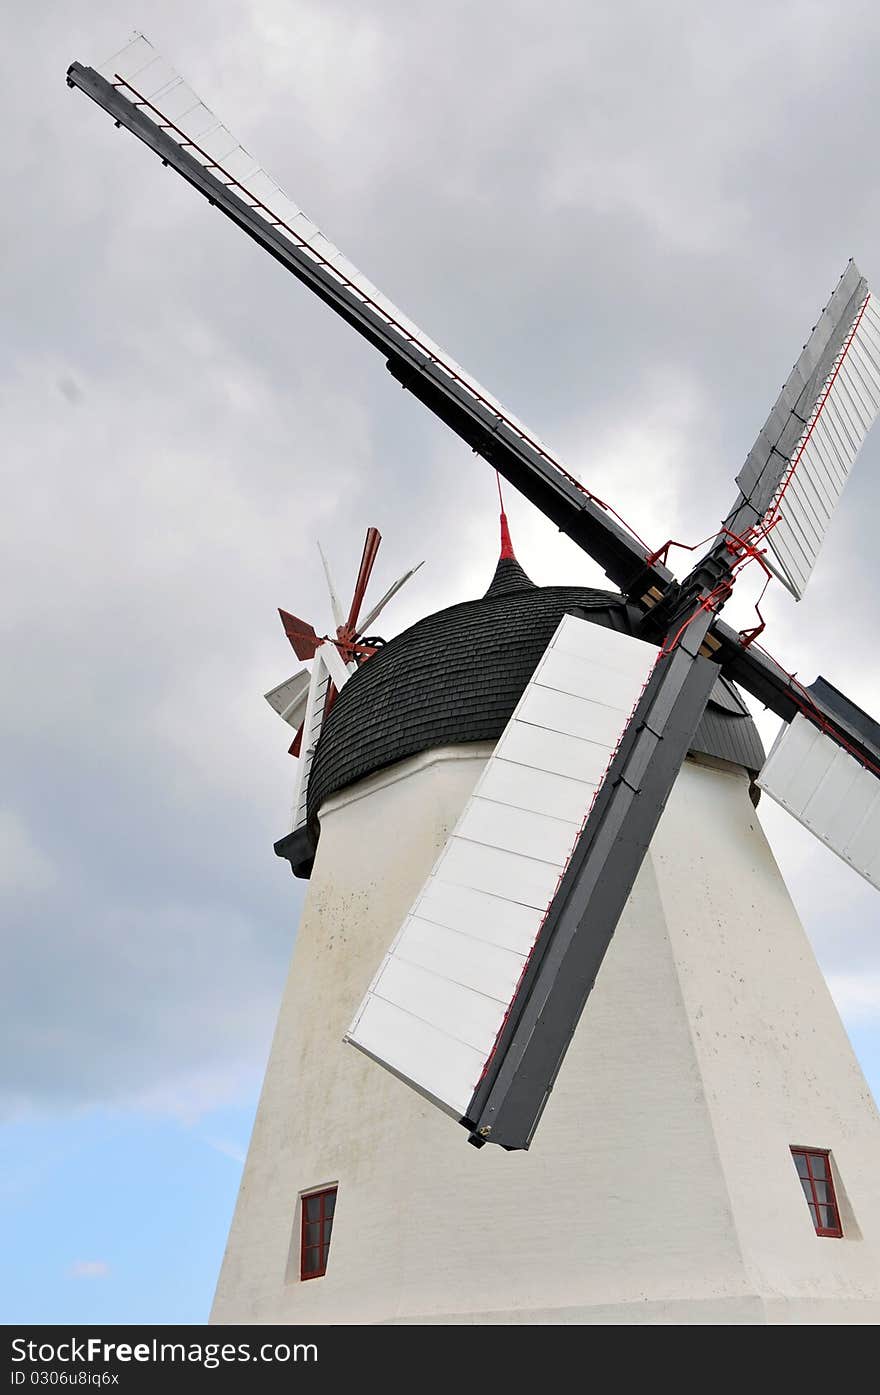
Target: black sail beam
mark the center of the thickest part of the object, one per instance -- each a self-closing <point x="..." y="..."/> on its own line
<point x="777" y="690"/>
<point x="534" y="474"/>
<point x="759" y="674"/>
<point x="507" y="1104"/>
<point x="574" y="512"/>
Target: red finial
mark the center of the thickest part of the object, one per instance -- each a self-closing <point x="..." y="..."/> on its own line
<point x="506" y="545"/>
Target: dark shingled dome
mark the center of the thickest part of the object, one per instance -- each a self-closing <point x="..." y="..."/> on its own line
<point x="456" y="676"/>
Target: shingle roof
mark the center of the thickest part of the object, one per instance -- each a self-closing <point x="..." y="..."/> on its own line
<point x="456" y="676"/>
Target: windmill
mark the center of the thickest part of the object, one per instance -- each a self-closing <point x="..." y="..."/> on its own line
<point x="304" y="699"/>
<point x="636" y="698"/>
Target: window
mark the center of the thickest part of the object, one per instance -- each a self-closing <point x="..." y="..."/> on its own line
<point x="317" y="1225"/>
<point x="814" y="1169"/>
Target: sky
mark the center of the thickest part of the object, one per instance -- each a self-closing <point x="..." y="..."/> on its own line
<point x="624" y="220"/>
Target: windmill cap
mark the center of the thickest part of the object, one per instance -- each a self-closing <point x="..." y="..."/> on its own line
<point x="456" y="676"/>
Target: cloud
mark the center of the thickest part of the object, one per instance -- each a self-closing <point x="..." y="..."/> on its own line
<point x="229" y="1150"/>
<point x="24" y="867"/>
<point x="857" y="995"/>
<point x="623" y="222"/>
<point x="231" y="1078"/>
<point x="89" y="1269"/>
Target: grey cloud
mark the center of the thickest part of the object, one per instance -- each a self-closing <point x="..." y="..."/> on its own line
<point x="623" y="219"/>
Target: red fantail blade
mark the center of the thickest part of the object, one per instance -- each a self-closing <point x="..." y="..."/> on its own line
<point x="301" y="636"/>
<point x="296" y="744"/>
<point x="371" y="547"/>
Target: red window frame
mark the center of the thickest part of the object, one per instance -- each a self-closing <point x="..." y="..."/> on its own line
<point x="814" y="1171"/>
<point x="316" y="1228"/>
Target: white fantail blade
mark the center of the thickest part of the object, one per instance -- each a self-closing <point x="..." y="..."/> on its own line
<point x="802" y="459"/>
<point x="338" y="616"/>
<point x="313" y="719"/>
<point x="339" y="671"/>
<point x="829" y="792"/>
<point x="363" y="625"/>
<point x="328" y="667"/>
<point x="144" y="77"/>
<point x="289" y="698"/>
<point x="434" y="1010"/>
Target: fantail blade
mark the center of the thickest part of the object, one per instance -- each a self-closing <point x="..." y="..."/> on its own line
<point x="301" y="635"/>
<point x="371" y="547"/>
<point x="334" y="598"/>
<point x="392" y="591"/>
<point x="289" y="698"/>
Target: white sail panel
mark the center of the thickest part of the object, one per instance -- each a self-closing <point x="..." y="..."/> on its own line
<point x="434" y="1009"/>
<point x="823" y="457"/>
<point x="829" y="792"/>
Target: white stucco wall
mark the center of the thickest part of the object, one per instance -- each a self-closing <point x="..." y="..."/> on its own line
<point x="659" y="1187"/>
<point x="776" y="1064"/>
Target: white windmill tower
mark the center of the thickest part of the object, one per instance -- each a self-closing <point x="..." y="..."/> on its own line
<point x="537" y="797"/>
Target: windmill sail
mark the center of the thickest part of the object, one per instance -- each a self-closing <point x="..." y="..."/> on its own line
<point x="827" y="790"/>
<point x="145" y="78"/>
<point x="143" y="93"/>
<point x="439" y="999"/>
<point x="491" y="937"/>
<point x="796" y="471"/>
<point x="450" y="999"/>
